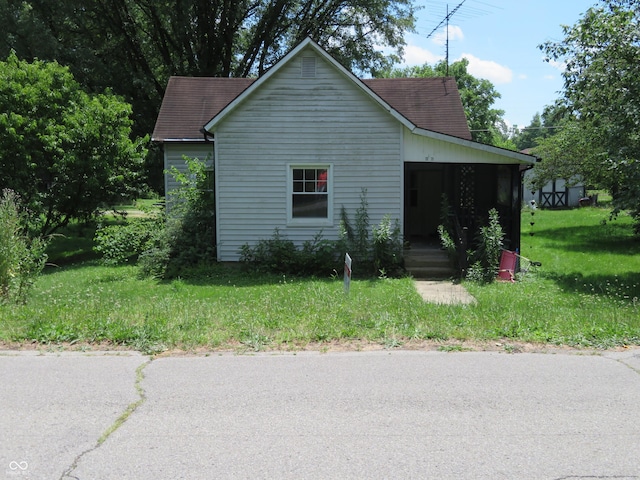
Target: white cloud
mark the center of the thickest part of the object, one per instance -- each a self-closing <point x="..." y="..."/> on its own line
<point x="455" y="33"/>
<point x="492" y="71"/>
<point x="549" y="77"/>
<point x="558" y="65"/>
<point x="522" y="76"/>
<point x="414" y="55"/>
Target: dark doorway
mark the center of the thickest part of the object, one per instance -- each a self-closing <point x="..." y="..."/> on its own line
<point x="424" y="186"/>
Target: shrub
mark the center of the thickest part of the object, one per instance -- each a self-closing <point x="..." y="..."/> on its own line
<point x="381" y="254"/>
<point x="21" y="258"/>
<point x="384" y="253"/>
<point x="186" y="238"/>
<point x="447" y="242"/>
<point x="387" y="247"/>
<point x="123" y="242"/>
<point x="355" y="240"/>
<point x="485" y="260"/>
<point x="280" y="255"/>
<point x="276" y="254"/>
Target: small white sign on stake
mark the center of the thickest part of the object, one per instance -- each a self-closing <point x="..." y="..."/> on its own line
<point x="347" y="272"/>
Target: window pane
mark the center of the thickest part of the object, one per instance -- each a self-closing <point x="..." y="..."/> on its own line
<point x="298" y="174"/>
<point x="310" y="174"/>
<point x="310" y="206"/>
<point x="322" y="181"/>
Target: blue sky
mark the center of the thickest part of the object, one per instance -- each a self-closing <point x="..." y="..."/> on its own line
<point x="500" y="39"/>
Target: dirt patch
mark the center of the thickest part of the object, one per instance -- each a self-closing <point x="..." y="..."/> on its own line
<point x="502" y="346"/>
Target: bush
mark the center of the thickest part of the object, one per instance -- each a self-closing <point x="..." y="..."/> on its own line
<point x="186" y="236"/>
<point x="21" y="258"/>
<point x="485" y="261"/>
<point x="383" y="254"/>
<point x="387" y="247"/>
<point x="355" y="240"/>
<point x="123" y="242"/>
<point x="280" y="255"/>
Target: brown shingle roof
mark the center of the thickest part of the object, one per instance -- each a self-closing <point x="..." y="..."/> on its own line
<point x="429" y="103"/>
<point x="190" y="102"/>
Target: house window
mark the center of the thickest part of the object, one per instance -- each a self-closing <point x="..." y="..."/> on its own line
<point x="310" y="188"/>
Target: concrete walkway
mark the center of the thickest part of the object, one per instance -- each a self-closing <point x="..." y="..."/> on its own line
<point x="444" y="292"/>
<point x="354" y="415"/>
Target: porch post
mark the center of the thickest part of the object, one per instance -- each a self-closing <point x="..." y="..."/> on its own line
<point x="516" y="205"/>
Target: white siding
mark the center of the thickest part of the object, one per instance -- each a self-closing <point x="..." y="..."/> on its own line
<point x="174" y="157"/>
<point x="295" y="120"/>
<point x="419" y="148"/>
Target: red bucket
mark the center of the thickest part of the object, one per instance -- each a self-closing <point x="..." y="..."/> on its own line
<point x="507" y="270"/>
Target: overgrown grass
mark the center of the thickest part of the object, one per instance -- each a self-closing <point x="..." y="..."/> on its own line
<point x="585" y="294"/>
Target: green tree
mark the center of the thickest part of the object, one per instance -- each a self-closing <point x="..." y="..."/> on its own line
<point x="65" y="152"/>
<point x="477" y="95"/>
<point x="602" y="91"/>
<point x="527" y="137"/>
<point x="571" y="153"/>
<point x="541" y="126"/>
<point x="133" y="46"/>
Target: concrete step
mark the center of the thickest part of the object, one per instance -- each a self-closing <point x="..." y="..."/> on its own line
<point x="426" y="262"/>
<point x="431" y="273"/>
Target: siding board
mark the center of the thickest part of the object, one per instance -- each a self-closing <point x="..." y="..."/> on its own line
<point x="173" y="157"/>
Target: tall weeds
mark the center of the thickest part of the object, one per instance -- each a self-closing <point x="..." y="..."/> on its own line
<point x="21" y="258"/>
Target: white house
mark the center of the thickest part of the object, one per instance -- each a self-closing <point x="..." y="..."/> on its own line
<point x="291" y="148"/>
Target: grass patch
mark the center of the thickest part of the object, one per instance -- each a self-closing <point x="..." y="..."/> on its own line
<point x="72" y="244"/>
<point x="585" y="294"/>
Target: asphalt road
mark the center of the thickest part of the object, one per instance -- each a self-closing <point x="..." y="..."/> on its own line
<point x="391" y="414"/>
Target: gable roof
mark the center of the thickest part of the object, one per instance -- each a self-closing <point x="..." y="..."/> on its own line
<point x="429" y="103"/>
<point x="190" y="102"/>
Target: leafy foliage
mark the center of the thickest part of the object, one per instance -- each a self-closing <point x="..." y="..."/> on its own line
<point x="380" y="253"/>
<point x="133" y="46"/>
<point x="355" y="239"/>
<point x="21" y="258"/>
<point x="180" y="238"/>
<point x="602" y="92"/>
<point x="540" y="127"/>
<point x="120" y="243"/>
<point x="446" y="232"/>
<point x="278" y="254"/>
<point x="485" y="260"/>
<point x="571" y="154"/>
<point x="387" y="247"/>
<point x="65" y="152"/>
<point x="188" y="236"/>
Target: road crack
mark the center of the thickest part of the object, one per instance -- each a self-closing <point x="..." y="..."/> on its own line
<point x="131" y="408"/>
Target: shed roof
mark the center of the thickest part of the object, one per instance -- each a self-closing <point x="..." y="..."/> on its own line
<point x="190" y="102"/>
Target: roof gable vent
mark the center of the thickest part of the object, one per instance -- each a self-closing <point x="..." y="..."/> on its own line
<point x="308" y="67"/>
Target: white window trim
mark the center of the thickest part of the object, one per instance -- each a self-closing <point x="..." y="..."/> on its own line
<point x="309" y="222"/>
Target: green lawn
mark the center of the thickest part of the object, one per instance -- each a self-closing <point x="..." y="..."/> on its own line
<point x="585" y="294"/>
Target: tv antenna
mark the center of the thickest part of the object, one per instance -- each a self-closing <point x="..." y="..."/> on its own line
<point x="445" y="20"/>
